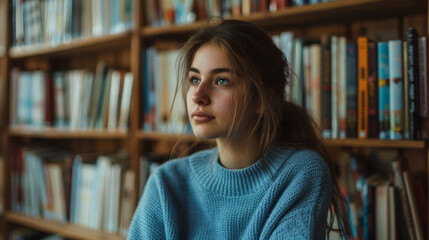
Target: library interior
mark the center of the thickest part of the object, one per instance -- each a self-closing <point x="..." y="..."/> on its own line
<point x="79" y="143"/>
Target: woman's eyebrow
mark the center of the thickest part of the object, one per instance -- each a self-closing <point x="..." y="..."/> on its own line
<point x="213" y="71"/>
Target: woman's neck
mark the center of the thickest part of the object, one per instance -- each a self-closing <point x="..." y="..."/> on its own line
<point x="238" y="154"/>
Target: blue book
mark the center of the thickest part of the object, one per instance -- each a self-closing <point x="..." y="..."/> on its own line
<point x="396" y="90"/>
<point x="383" y="90"/>
<point x="75" y="188"/>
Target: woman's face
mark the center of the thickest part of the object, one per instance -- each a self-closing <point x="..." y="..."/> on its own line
<point x="210" y="95"/>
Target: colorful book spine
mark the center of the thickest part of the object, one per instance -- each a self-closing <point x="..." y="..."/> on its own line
<point x="351" y="86"/>
<point x="423" y="85"/>
<point x="413" y="77"/>
<point x="342" y="93"/>
<point x="362" y="87"/>
<point x="334" y="87"/>
<point x="405" y="90"/>
<point x="372" y="91"/>
<point x="326" y="88"/>
<point x="396" y="89"/>
<point x="383" y="90"/>
<point x="423" y="76"/>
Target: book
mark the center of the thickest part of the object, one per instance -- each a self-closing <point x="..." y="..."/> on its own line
<point x="326" y="87"/>
<point x="423" y="85"/>
<point x="297" y="79"/>
<point x="113" y="108"/>
<point x="316" y="83"/>
<point x="383" y="90"/>
<point x="286" y="44"/>
<point x="148" y="91"/>
<point x="334" y="86"/>
<point x="413" y="84"/>
<point x="408" y="184"/>
<point x="60" y="99"/>
<point x="342" y="87"/>
<point x="103" y="108"/>
<point x="373" y="124"/>
<point x="392" y="213"/>
<point x="362" y="46"/>
<point x="406" y="91"/>
<point x="351" y="91"/>
<point x="127" y="202"/>
<point x="124" y="110"/>
<point x="86" y="100"/>
<point x="403" y="200"/>
<point x="396" y="89"/>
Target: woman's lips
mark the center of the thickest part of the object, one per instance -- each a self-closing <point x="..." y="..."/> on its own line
<point x="201" y="117"/>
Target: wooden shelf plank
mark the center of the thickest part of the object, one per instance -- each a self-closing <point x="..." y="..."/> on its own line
<point x="64" y="229"/>
<point x="376" y="143"/>
<point x="368" y="143"/>
<point x="329" y="12"/>
<point x="52" y="133"/>
<point x="73" y="47"/>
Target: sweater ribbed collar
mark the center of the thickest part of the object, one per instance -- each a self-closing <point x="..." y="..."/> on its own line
<point x="236" y="182"/>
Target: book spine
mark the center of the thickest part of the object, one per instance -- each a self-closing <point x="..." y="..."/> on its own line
<point x="334" y="86"/>
<point x="362" y="87"/>
<point x="405" y="90"/>
<point x="315" y="60"/>
<point x="423" y="85"/>
<point x="383" y="90"/>
<point x="326" y="89"/>
<point x="413" y="77"/>
<point x="372" y="91"/>
<point x="396" y="89"/>
<point x="342" y="93"/>
<point x="351" y="86"/>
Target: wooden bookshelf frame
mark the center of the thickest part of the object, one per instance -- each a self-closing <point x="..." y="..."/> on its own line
<point x="52" y="133"/>
<point x="64" y="229"/>
<point x="307" y="15"/>
<point x="135" y="40"/>
<point x="74" y="47"/>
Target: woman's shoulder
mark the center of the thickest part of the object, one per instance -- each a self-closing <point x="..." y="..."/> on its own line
<point x="180" y="166"/>
<point x="308" y="161"/>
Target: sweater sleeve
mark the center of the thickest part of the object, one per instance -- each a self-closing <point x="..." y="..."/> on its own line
<point x="308" y="201"/>
<point x="147" y="222"/>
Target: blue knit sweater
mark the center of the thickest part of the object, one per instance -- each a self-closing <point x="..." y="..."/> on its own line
<point x="285" y="197"/>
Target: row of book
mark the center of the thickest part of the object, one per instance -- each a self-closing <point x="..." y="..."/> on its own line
<point x="383" y="204"/>
<point x="159" y="92"/>
<point x="53" y="22"/>
<point x="167" y="12"/>
<point x="94" y="190"/>
<point x="386" y="98"/>
<point x="75" y="99"/>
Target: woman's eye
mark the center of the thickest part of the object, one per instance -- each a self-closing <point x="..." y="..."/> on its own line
<point x="194" y="80"/>
<point x="222" y="82"/>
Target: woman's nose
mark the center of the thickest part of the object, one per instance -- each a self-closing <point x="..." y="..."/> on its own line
<point x="201" y="96"/>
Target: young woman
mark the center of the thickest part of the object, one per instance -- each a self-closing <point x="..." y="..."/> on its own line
<point x="269" y="176"/>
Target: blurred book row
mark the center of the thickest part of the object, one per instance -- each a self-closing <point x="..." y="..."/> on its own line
<point x="360" y="88"/>
<point x="53" y="22"/>
<point x="167" y="12"/>
<point x="159" y="91"/>
<point x="384" y="200"/>
<point x="94" y="190"/>
<point x="74" y="99"/>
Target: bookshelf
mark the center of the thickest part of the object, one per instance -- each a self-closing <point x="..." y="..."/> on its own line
<point x="123" y="49"/>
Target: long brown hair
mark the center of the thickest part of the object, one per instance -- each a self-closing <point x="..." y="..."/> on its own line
<point x="263" y="67"/>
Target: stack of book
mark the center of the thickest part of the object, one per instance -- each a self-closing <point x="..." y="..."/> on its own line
<point x="73" y="100"/>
